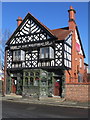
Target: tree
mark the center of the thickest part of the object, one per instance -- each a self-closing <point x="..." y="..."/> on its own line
<point x="3" y="38"/>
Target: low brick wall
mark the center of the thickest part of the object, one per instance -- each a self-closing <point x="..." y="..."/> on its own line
<point x="78" y="92"/>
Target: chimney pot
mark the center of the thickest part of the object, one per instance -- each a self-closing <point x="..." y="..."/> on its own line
<point x="72" y="23"/>
<point x="71" y="7"/>
<point x="19" y="20"/>
<point x="71" y="14"/>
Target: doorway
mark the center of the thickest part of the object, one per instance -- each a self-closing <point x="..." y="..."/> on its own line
<point x="14" y="84"/>
<point x="58" y="86"/>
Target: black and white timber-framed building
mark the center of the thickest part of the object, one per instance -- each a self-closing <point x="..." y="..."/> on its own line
<point x="37" y="58"/>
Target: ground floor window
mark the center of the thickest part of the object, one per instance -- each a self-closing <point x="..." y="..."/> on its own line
<point x="36" y="82"/>
<point x="31" y="81"/>
<point x="26" y="81"/>
<point x="80" y="77"/>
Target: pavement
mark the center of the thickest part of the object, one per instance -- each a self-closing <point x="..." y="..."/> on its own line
<point x="54" y="101"/>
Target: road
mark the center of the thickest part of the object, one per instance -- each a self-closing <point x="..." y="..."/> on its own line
<point x="25" y="110"/>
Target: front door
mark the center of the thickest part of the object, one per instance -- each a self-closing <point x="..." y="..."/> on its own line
<point x="14" y="85"/>
<point x="57" y="87"/>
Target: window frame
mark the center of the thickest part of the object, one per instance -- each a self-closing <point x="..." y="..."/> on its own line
<point x="17" y="56"/>
<point x="46" y="54"/>
<point x="80" y="60"/>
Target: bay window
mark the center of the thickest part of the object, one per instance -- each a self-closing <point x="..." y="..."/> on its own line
<point x="46" y="52"/>
<point x="18" y="55"/>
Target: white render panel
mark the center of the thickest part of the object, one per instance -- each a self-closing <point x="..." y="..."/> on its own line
<point x="77" y="40"/>
<point x="67" y="48"/>
<point x="58" y="54"/>
<point x="69" y="40"/>
<point x="9" y="59"/>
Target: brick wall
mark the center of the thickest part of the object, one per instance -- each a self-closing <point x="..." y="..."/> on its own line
<point x="78" y="92"/>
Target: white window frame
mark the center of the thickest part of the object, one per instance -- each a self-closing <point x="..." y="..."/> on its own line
<point x="17" y="57"/>
<point x="80" y="62"/>
<point x="45" y="55"/>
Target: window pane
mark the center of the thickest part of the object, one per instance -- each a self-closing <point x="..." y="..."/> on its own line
<point x="31" y="81"/>
<point x="41" y="52"/>
<point x="17" y="56"/>
<point x="31" y="74"/>
<point x="37" y="74"/>
<point x="46" y="52"/>
<point x="19" y="53"/>
<point x="80" y="63"/>
<point x="26" y="73"/>
<point x="26" y="81"/>
<point x="51" y="52"/>
<point x="36" y="81"/>
<point x="15" y="53"/>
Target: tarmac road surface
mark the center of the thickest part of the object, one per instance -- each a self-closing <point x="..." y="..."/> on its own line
<point x="29" y="110"/>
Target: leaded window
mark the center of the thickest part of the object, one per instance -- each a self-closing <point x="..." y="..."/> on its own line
<point x="31" y="74"/>
<point x="37" y="73"/>
<point x="26" y="81"/>
<point x="31" y="81"/>
<point x="36" y="81"/>
<point x="18" y="55"/>
<point x="46" y="52"/>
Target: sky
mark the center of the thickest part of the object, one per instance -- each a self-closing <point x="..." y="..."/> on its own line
<point x="52" y="14"/>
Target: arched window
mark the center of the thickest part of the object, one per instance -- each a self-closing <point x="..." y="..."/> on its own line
<point x="26" y="73"/>
<point x="36" y="81"/>
<point x="37" y="74"/>
<point x="31" y="81"/>
<point x="26" y="81"/>
<point x="31" y="74"/>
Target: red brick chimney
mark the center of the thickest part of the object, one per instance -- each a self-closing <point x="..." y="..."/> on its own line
<point x="72" y="26"/>
<point x="72" y="23"/>
<point x="19" y="20"/>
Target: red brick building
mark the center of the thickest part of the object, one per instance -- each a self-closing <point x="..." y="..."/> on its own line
<point x="44" y="62"/>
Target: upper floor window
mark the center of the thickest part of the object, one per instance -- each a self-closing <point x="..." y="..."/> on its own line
<point x="18" y="55"/>
<point x="80" y="63"/>
<point x="46" y="52"/>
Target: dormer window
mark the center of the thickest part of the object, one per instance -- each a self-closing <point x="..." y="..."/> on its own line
<point x="46" y="53"/>
<point x="18" y="55"/>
